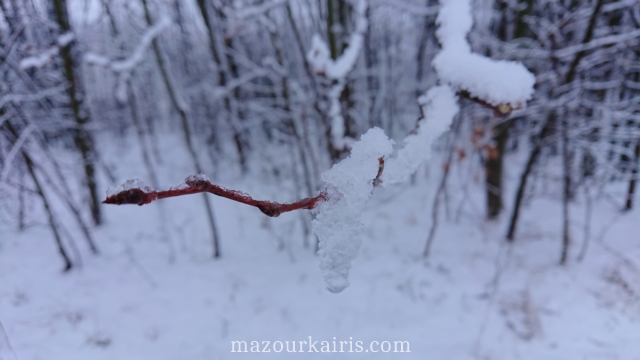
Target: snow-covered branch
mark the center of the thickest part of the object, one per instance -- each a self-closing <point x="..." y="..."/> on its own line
<point x="137" y="55"/>
<point x="596" y="43"/>
<point x="338" y="224"/>
<point x="14" y="152"/>
<point x="408" y="7"/>
<point x="249" y="12"/>
<point x="319" y="57"/>
<point x="43" y="58"/>
<point x="439" y="107"/>
<point x="20" y="98"/>
<point x="124" y="67"/>
<point x="493" y="81"/>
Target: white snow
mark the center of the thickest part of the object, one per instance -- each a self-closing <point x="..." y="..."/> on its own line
<point x="196" y="178"/>
<point x="128" y="185"/>
<point x="494" y="81"/>
<point x="440" y="106"/>
<point x="130" y="302"/>
<point x="338" y="222"/>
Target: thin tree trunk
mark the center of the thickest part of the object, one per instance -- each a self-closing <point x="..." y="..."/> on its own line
<point x="66" y="194"/>
<point x="566" y="192"/>
<point x="82" y="138"/>
<point x="548" y="126"/>
<point x="528" y="168"/>
<point x="634" y="177"/>
<point x="52" y="221"/>
<point x="494" y="167"/>
<point x="223" y="79"/>
<point x="182" y="113"/>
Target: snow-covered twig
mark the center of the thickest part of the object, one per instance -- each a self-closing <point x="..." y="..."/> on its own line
<point x="19" y="98"/>
<point x="248" y="12"/>
<point x="319" y="57"/>
<point x="439" y="106"/>
<point x="408" y="7"/>
<point x="337" y="223"/>
<point x="136" y="56"/>
<point x="124" y="67"/>
<point x="42" y="59"/>
<point x="596" y="43"/>
<point x="493" y="81"/>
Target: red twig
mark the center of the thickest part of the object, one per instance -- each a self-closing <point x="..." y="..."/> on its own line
<point x="137" y="196"/>
<point x="269" y="208"/>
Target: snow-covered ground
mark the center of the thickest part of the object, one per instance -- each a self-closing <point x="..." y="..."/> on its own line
<point x="475" y="297"/>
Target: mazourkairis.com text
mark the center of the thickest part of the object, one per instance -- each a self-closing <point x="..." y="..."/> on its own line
<point x="323" y="346"/>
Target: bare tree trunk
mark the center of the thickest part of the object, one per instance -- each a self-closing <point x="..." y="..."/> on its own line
<point x="52" y="221"/>
<point x="146" y="159"/>
<point x="634" y="177"/>
<point x="182" y="113"/>
<point x="548" y="125"/>
<point x="65" y="194"/>
<point x="493" y="169"/>
<point x="82" y="137"/>
<point x="224" y="76"/>
<point x="45" y="202"/>
<point x="566" y="191"/>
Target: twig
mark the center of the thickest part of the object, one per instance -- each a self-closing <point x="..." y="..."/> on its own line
<point x="269" y="208"/>
<point x="137" y="196"/>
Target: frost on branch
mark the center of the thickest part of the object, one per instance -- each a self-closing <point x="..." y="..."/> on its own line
<point x="497" y="82"/>
<point x="439" y="106"/>
<point x="40" y="60"/>
<point x="338" y="224"/>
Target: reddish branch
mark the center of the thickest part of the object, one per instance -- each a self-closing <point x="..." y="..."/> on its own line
<point x="195" y="186"/>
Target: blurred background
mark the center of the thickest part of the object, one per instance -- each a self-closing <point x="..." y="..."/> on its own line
<point x="519" y="240"/>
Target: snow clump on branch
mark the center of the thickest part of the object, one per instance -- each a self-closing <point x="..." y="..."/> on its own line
<point x="338" y="222"/>
<point x="493" y="81"/>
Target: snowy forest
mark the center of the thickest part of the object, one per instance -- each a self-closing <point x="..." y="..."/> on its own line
<point x="240" y="179"/>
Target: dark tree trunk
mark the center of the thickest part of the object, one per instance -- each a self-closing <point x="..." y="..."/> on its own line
<point x="184" y="121"/>
<point x="493" y="169"/>
<point x="634" y="175"/>
<point x="82" y="138"/>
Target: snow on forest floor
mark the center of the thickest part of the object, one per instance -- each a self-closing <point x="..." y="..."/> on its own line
<point x="474" y="298"/>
